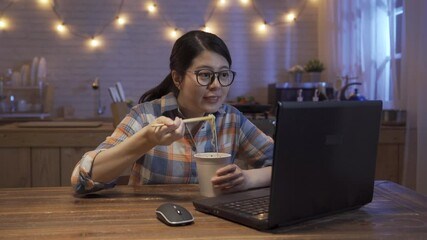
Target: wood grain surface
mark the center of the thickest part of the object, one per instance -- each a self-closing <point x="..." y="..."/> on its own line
<point x="129" y="213"/>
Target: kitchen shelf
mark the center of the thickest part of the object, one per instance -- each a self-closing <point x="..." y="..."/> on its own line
<point x="39" y="97"/>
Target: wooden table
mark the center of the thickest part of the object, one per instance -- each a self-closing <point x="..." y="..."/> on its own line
<point x="129" y="213"/>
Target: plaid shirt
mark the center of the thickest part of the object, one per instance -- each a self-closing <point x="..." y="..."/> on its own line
<point x="174" y="163"/>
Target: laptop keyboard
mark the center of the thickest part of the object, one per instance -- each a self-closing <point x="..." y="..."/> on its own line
<point x="256" y="207"/>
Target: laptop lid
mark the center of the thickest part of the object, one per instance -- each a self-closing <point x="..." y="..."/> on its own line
<point x="324" y="163"/>
<point x="324" y="159"/>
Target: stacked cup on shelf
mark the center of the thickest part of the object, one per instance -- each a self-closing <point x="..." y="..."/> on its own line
<point x="30" y="76"/>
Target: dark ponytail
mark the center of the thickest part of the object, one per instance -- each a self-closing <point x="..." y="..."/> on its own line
<point x="165" y="87"/>
<point x="185" y="49"/>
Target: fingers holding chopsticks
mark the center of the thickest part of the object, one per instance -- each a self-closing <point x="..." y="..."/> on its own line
<point x="165" y="130"/>
<point x="163" y="121"/>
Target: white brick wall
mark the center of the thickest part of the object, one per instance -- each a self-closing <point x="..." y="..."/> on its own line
<point x="137" y="55"/>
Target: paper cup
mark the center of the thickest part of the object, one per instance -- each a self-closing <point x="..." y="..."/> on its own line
<point x="207" y="165"/>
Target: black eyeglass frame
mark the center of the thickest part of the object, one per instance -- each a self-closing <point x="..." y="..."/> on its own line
<point x="215" y="75"/>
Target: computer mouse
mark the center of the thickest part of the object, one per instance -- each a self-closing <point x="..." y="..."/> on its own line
<point x="174" y="215"/>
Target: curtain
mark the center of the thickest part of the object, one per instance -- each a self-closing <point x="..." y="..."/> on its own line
<point x="354" y="41"/>
<point x="412" y="94"/>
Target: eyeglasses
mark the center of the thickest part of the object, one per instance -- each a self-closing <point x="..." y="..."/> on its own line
<point x="206" y="77"/>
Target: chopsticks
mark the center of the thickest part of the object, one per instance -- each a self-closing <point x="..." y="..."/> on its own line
<point x="189" y="120"/>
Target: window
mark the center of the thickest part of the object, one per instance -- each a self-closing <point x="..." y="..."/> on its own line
<point x="397" y="35"/>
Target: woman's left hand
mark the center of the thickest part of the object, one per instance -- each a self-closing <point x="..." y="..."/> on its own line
<point x="230" y="178"/>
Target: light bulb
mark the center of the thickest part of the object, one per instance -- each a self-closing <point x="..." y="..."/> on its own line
<point x="174" y="33"/>
<point x="60" y="27"/>
<point x="262" y="27"/>
<point x="45" y="2"/>
<point x="222" y="2"/>
<point x="121" y="21"/>
<point x="3" y="24"/>
<point x="206" y="28"/>
<point x="94" y="42"/>
<point x="290" y="17"/>
<point x="152" y="8"/>
<point x="244" y="2"/>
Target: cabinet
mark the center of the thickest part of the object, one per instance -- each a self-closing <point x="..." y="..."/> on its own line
<point x="42" y="157"/>
<point x="390" y="154"/>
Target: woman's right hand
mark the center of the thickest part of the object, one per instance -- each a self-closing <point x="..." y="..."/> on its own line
<point x="113" y="161"/>
<point x="169" y="132"/>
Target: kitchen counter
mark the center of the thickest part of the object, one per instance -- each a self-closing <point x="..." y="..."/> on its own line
<point x="45" y="156"/>
<point x="79" y="135"/>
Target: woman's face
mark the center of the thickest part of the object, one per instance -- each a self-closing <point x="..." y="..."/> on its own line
<point x="195" y="100"/>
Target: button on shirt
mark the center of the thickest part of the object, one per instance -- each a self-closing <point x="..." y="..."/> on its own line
<point x="175" y="163"/>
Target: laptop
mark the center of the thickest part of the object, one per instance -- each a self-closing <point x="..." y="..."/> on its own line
<point x="323" y="164"/>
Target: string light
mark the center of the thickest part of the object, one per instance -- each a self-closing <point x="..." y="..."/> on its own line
<point x="222" y="2"/>
<point x="244" y="2"/>
<point x="60" y="27"/>
<point x="120" y="20"/>
<point x="93" y="42"/>
<point x="174" y="33"/>
<point x="44" y="1"/>
<point x="152" y="8"/>
<point x="206" y="28"/>
<point x="3" y="24"/>
<point x="290" y="17"/>
<point x="262" y="27"/>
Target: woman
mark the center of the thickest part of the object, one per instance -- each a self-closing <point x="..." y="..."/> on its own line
<point x="197" y="85"/>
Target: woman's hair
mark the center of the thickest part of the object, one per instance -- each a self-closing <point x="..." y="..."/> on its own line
<point x="185" y="49"/>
